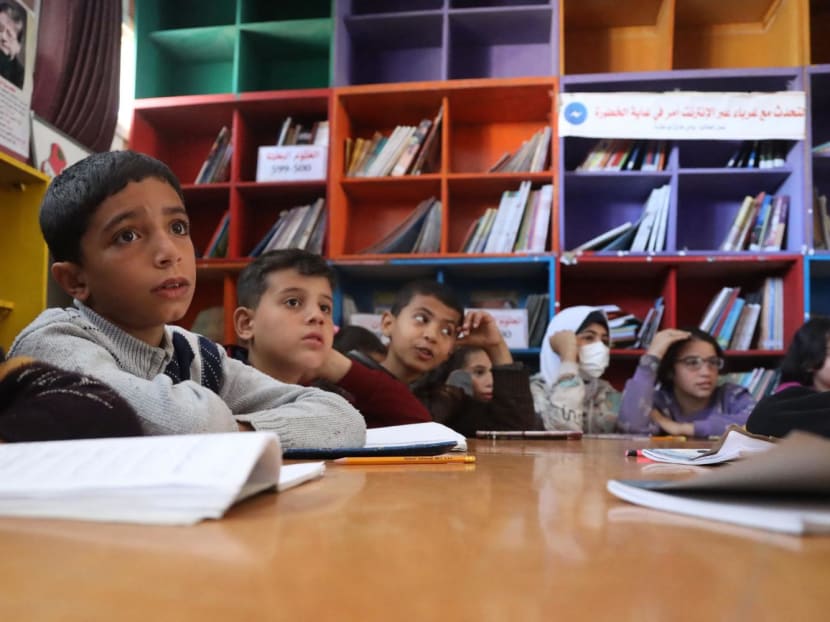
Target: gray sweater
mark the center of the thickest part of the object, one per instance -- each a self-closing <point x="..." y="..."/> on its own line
<point x="168" y="385"/>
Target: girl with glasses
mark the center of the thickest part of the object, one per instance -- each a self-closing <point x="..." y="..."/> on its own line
<point x="802" y="400"/>
<point x="675" y="388"/>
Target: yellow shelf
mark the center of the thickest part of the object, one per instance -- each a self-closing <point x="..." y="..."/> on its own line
<point x="23" y="254"/>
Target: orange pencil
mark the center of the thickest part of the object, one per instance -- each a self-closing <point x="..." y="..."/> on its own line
<point x="407" y="460"/>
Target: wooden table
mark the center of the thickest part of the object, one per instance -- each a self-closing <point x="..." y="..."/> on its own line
<point x="527" y="533"/>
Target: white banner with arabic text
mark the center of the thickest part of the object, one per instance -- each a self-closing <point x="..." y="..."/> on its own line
<point x="684" y="115"/>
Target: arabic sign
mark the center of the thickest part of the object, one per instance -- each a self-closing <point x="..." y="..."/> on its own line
<point x="679" y="115"/>
<point x="292" y="163"/>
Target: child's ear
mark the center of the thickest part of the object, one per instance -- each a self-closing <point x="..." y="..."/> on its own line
<point x="70" y="277"/>
<point x="387" y="321"/>
<point x="243" y="323"/>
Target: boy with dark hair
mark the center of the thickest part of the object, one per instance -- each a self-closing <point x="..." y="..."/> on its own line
<point x="118" y="230"/>
<point x="284" y="321"/>
<point x="424" y="325"/>
<point x="12" y="31"/>
<point x="351" y="338"/>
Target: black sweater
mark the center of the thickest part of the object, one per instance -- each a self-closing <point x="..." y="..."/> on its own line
<point x="794" y="408"/>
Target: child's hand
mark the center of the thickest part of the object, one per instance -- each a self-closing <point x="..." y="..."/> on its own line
<point x="480" y="329"/>
<point x="564" y="343"/>
<point x="664" y="339"/>
<point x="670" y="426"/>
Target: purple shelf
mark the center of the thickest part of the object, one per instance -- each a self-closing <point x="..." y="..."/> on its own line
<point x="501" y="43"/>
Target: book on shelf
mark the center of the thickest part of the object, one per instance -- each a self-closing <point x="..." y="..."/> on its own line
<point x="164" y="480"/>
<point x="785" y="489"/>
<point x="626" y="155"/>
<point x="407" y="158"/>
<point x="733" y="321"/>
<point x="734" y="444"/>
<point x="428" y="159"/>
<point x="218" y="244"/>
<point x="407" y="236"/>
<point x="215" y="166"/>
<point x="538" y="308"/>
<point x="759" y="225"/>
<point x="650" y="325"/>
<point x="519" y="224"/>
<point x="651" y="232"/>
<point x="532" y="156"/>
<point x="760" y="381"/>
<point x="603" y="239"/>
<point x="821" y="221"/>
<point x="758" y="154"/>
<point x="294" y="228"/>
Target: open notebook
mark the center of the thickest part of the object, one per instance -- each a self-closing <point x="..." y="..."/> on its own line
<point x="153" y="479"/>
<point x="413" y="439"/>
<point x="735" y="443"/>
<point x="785" y="489"/>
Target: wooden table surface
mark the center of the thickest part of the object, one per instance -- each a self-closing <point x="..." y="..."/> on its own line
<point x="527" y="533"/>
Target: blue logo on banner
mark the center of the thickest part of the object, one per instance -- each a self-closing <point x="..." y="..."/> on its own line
<point x="576" y="113"/>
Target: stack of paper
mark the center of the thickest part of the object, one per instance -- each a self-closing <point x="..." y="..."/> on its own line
<point x="154" y="479"/>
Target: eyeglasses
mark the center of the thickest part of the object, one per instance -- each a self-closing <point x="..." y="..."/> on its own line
<point x="696" y="362"/>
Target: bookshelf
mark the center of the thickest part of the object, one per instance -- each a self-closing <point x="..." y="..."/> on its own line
<point x="381" y="41"/>
<point x="23" y="292"/>
<point x="687" y="284"/>
<point x="496" y="67"/>
<point x="482" y="120"/>
<point x="192" y="47"/>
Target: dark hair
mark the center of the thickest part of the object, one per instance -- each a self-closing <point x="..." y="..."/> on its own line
<point x="350" y="338"/>
<point x="39" y="402"/>
<point x="252" y="281"/>
<point x="594" y="317"/>
<point x="17" y="15"/>
<point x="459" y="357"/>
<point x="425" y="287"/>
<point x="73" y="196"/>
<point x="807" y="351"/>
<point x="665" y="371"/>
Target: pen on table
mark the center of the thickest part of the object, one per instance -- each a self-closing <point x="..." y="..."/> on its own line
<point x="633" y="453"/>
<point x="406" y="460"/>
<point x="667" y="438"/>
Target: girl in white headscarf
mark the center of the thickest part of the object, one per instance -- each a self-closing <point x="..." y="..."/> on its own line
<point x="568" y="393"/>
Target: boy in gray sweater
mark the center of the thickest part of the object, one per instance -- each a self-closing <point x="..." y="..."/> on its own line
<point x="119" y="234"/>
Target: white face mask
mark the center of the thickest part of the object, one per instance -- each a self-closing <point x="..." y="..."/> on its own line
<point x="594" y="358"/>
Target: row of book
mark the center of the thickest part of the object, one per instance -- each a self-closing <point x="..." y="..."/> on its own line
<point x="647" y="234"/>
<point x="292" y="133"/>
<point x="627" y="331"/>
<point x="759" y="225"/>
<point x="408" y="150"/>
<point x="217" y="164"/>
<point x="734" y="320"/>
<point x="821" y="221"/>
<point x="532" y="156"/>
<point x="519" y="224"/>
<point x="612" y="154"/>
<point x="420" y="232"/>
<point x="759" y="382"/>
<point x="759" y="154"/>
<point x="303" y="227"/>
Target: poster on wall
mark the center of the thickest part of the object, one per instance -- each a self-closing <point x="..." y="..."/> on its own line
<point x="52" y="150"/>
<point x="18" y="48"/>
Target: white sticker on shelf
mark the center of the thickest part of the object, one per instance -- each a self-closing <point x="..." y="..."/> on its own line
<point x="684" y="115"/>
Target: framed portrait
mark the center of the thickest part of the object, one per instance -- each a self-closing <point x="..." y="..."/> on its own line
<point x="52" y="150"/>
